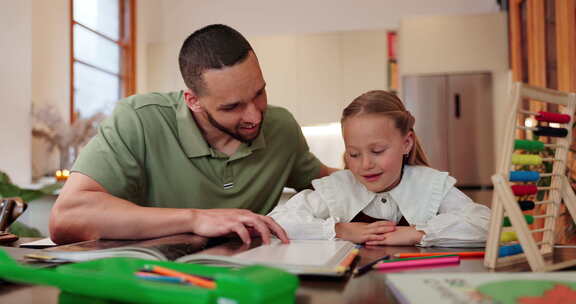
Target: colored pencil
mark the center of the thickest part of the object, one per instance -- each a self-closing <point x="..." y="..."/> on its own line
<point x="147" y="271"/>
<point x="419" y="258"/>
<point x="177" y="274"/>
<point x="464" y="254"/>
<point x="362" y="270"/>
<point x="160" y="278"/>
<point x="345" y="264"/>
<point x="419" y="262"/>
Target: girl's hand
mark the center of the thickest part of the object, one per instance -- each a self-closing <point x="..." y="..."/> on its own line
<point x="406" y="236"/>
<point x="363" y="232"/>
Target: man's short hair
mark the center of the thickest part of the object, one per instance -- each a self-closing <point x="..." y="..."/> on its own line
<point x="212" y="47"/>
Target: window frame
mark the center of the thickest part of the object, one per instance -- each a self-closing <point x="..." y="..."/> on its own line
<point x="126" y="42"/>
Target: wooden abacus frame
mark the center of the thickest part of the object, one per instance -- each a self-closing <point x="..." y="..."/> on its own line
<point x="504" y="203"/>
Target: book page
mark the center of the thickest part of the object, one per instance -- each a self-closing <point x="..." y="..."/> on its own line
<point x="303" y="257"/>
<point x="79" y="256"/>
<point x="299" y="252"/>
<point x="42" y="243"/>
<point x="167" y="248"/>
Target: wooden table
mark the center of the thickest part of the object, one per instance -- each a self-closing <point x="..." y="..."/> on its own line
<point x="368" y="288"/>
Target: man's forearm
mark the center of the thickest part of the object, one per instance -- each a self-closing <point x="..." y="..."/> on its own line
<point x="87" y="215"/>
<point x="86" y="211"/>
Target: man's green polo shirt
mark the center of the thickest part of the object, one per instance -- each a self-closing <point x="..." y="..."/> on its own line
<point x="151" y="152"/>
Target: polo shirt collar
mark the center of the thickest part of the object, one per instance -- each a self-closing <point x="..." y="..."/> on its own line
<point x="189" y="134"/>
<point x="260" y="141"/>
<point x="194" y="143"/>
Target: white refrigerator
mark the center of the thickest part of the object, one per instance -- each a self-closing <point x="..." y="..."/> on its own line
<point x="454" y="122"/>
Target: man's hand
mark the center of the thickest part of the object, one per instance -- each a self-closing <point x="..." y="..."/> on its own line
<point x="325" y="171"/>
<point x="402" y="236"/>
<point x="218" y="222"/>
<point x="363" y="232"/>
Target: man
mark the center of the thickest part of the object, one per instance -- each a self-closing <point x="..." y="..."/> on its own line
<point x="209" y="160"/>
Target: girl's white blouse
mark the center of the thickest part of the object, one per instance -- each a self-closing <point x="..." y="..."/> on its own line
<point x="425" y="197"/>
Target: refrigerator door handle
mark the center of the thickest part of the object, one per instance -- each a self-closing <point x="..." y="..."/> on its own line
<point x="457" y="105"/>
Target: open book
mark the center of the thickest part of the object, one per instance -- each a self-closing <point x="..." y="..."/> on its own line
<point x="304" y="257"/>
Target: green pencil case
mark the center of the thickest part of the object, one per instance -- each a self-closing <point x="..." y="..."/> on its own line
<point x="114" y="279"/>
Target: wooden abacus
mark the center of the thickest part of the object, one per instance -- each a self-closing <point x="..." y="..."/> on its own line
<point x="515" y="190"/>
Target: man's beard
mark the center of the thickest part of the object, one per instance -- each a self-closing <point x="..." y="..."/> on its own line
<point x="235" y="135"/>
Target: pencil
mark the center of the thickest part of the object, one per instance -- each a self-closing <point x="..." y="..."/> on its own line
<point x="419" y="258"/>
<point x="368" y="267"/>
<point x="177" y="274"/>
<point x="464" y="254"/>
<point x="419" y="262"/>
<point x="148" y="271"/>
<point x="345" y="264"/>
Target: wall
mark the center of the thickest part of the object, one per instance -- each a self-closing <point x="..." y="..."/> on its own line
<point x="364" y="61"/>
<point x="456" y="44"/>
<point x="317" y="75"/>
<point x="313" y="75"/>
<point x="162" y="68"/>
<point x="303" y="72"/>
<point x="146" y="11"/>
<point x="15" y="88"/>
<point x="50" y="71"/>
<point x="175" y="19"/>
<point x="315" y="60"/>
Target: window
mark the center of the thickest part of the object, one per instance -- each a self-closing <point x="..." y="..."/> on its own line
<point x="102" y="55"/>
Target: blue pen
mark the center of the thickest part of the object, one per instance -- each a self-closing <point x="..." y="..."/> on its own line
<point x="160" y="278"/>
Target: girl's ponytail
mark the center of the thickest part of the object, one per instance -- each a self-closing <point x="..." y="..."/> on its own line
<point x="416" y="156"/>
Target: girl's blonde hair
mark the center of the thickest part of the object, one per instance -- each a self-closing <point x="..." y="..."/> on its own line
<point x="382" y="102"/>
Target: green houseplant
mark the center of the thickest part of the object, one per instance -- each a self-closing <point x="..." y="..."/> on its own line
<point x="8" y="189"/>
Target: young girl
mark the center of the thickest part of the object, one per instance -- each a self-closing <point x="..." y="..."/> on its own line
<point x="389" y="195"/>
